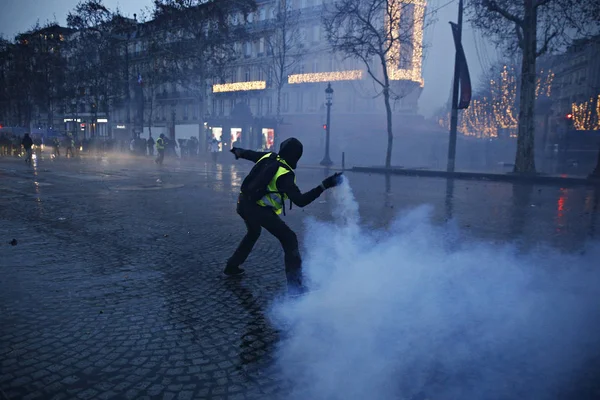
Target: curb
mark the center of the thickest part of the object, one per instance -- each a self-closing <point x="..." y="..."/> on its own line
<point x="510" y="177"/>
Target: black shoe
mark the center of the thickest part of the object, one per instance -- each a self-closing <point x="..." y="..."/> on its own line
<point x="233" y="271"/>
<point x="296" y="291"/>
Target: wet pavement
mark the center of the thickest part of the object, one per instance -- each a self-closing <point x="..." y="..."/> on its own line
<point x="114" y="287"/>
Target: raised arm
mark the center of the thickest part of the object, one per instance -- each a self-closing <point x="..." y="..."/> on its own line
<point x="250" y="155"/>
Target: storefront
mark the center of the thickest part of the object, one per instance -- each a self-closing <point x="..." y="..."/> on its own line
<point x="254" y="136"/>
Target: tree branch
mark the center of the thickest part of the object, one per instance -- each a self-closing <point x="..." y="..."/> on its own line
<point x="547" y="41"/>
<point x="493" y="6"/>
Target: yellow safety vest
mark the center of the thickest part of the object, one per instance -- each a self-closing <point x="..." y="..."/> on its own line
<point x="275" y="200"/>
<point x="160" y="144"/>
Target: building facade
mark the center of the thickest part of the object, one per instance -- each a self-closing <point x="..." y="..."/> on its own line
<point x="255" y="101"/>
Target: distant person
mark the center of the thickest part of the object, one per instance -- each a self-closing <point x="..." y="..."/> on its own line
<point x="70" y="146"/>
<point x="27" y="144"/>
<point x="193" y="146"/>
<point x="160" y="148"/>
<point x="214" y="149"/>
<point x="150" y="144"/>
<point x="55" y="147"/>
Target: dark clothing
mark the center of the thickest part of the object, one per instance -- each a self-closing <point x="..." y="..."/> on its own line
<point x="27" y="143"/>
<point x="286" y="183"/>
<point x="257" y="217"/>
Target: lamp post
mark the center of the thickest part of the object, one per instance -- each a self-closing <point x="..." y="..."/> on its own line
<point x="173" y="114"/>
<point x="328" y="97"/>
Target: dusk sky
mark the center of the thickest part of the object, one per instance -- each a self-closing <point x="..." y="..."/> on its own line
<point x="19" y="15"/>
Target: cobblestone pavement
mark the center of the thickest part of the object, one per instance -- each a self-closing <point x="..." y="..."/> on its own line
<point x="114" y="288"/>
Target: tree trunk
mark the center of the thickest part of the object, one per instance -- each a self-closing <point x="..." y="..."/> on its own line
<point x="596" y="173"/>
<point x="525" y="157"/>
<point x="202" y="133"/>
<point x="390" y="135"/>
<point x="277" y="118"/>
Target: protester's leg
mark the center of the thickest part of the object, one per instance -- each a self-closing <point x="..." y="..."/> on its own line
<point x="289" y="241"/>
<point x="245" y="247"/>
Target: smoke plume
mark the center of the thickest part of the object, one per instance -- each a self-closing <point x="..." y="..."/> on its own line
<point x="417" y="311"/>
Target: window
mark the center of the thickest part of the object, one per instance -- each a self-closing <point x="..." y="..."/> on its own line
<point x="248" y="49"/>
<point x="301" y="36"/>
<point x="263" y="13"/>
<point x="316" y="33"/>
<point x="221" y="107"/>
<point x="195" y="111"/>
<point x="299" y="102"/>
<point x="269" y="105"/>
<point x="261" y="74"/>
<point x="315" y="66"/>
<point x="260" y="106"/>
<point x="185" y="111"/>
<point x="261" y="45"/>
<point x="247" y="75"/>
<point x="313" y="100"/>
<point x="285" y="102"/>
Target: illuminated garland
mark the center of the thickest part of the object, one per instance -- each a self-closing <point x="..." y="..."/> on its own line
<point x="586" y="115"/>
<point x="239" y="86"/>
<point x="352" y="75"/>
<point x="544" y="84"/>
<point x="478" y="120"/>
<point x="504" y="96"/>
<point x="414" y="73"/>
<point x="486" y="116"/>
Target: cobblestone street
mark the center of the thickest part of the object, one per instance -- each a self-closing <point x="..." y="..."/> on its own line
<point x="114" y="288"/>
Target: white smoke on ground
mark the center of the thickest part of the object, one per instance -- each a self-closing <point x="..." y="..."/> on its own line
<point x="416" y="312"/>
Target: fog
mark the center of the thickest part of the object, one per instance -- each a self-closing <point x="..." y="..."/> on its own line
<point x="416" y="311"/>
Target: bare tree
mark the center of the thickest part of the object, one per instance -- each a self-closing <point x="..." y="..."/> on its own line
<point x="380" y="33"/>
<point x="284" y="49"/>
<point x="5" y="97"/>
<point x="199" y="42"/>
<point x="533" y="27"/>
<point x="96" y="56"/>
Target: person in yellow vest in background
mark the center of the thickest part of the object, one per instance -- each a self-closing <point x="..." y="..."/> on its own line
<point x="160" y="148"/>
<point x="264" y="191"/>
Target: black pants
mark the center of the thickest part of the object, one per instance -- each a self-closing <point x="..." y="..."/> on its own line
<point x="256" y="218"/>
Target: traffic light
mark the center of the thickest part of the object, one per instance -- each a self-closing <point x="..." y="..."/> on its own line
<point x="569" y="116"/>
<point x="324" y="126"/>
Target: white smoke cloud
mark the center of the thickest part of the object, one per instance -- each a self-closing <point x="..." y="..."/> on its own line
<point x="417" y="312"/>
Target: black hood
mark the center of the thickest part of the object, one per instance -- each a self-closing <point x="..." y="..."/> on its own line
<point x="291" y="151"/>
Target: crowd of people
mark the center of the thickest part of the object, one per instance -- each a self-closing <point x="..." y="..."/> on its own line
<point x="69" y="146"/>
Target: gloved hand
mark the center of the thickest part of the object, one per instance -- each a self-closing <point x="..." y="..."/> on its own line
<point x="332" y="180"/>
<point x="237" y="152"/>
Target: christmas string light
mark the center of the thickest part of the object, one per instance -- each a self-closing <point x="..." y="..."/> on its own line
<point x="350" y="75"/>
<point x="544" y="84"/>
<point x="504" y="96"/>
<point x="239" y="86"/>
<point x="393" y="19"/>
<point x="586" y="115"/>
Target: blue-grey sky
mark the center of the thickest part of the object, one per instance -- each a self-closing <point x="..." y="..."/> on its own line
<point x="19" y="15"/>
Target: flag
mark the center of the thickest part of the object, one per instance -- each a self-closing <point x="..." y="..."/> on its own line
<point x="463" y="71"/>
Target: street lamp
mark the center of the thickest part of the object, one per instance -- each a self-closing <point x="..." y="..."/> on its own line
<point x="328" y="102"/>
<point x="173" y="114"/>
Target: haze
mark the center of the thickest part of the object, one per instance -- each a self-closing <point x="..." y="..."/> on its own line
<point x="18" y="16"/>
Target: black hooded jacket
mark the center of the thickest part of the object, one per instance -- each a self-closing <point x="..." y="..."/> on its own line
<point x="291" y="151"/>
